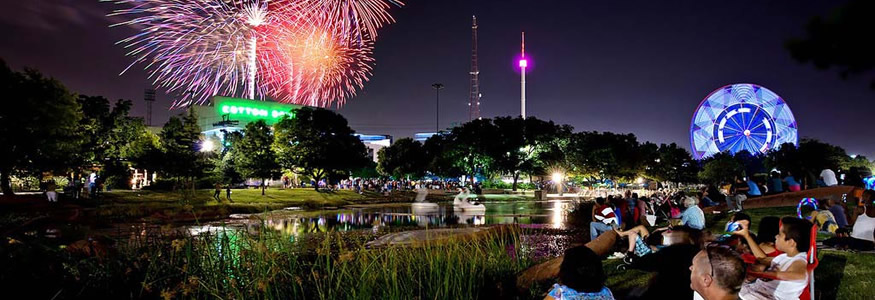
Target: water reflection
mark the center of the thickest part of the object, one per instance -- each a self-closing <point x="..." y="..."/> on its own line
<point x="550" y="214"/>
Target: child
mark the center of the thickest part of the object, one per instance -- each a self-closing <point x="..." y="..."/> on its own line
<point x="789" y="269"/>
<point x="581" y="276"/>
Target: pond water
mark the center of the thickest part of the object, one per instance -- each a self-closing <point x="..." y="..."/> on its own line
<point x="546" y="214"/>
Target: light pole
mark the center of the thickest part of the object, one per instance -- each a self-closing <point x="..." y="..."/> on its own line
<point x="523" y="64"/>
<point x="437" y="106"/>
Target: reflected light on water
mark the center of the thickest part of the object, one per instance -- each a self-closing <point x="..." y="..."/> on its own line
<point x="557" y="215"/>
<point x="294" y="223"/>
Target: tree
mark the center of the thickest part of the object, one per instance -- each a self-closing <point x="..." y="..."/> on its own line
<point x="255" y="157"/>
<point x="144" y="150"/>
<point x="470" y="147"/>
<point x="807" y="160"/>
<point x="520" y="143"/>
<point x="843" y="40"/>
<point x="673" y="163"/>
<point x="404" y="158"/>
<point x="180" y="142"/>
<point x="38" y="125"/>
<point x="606" y="155"/>
<point x="439" y="161"/>
<point x="319" y="143"/>
<point x="226" y="167"/>
<point x="719" y="168"/>
<point x="106" y="133"/>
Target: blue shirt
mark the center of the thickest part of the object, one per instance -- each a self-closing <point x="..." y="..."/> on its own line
<point x="693" y="217"/>
<point x="777" y="185"/>
<point x="839" y="213"/>
<point x="563" y="292"/>
<point x="754" y="190"/>
<point x="790" y="180"/>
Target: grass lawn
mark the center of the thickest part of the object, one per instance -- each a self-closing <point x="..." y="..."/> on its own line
<point x="169" y="206"/>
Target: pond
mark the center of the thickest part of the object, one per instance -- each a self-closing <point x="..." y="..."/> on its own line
<point x="293" y="221"/>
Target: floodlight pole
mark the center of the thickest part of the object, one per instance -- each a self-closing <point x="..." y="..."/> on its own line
<point x="437" y="106"/>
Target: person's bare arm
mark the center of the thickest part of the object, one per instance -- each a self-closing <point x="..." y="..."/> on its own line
<point x="797" y="271"/>
<point x="753" y="245"/>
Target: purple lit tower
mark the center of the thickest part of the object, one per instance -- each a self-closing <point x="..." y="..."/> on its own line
<point x="523" y="64"/>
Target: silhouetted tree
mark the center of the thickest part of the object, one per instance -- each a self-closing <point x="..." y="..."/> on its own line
<point x="254" y="156"/>
<point x="842" y="40"/>
<point x="319" y="143"/>
<point x="38" y="125"/>
<point x="404" y="158"/>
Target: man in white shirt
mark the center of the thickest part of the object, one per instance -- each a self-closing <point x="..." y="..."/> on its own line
<point x="829" y="177"/>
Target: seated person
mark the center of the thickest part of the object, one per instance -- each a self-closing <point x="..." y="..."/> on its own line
<point x="838" y="211"/>
<point x="581" y="276"/>
<point x="765" y="237"/>
<point x="637" y="237"/>
<point x="776" y="185"/>
<point x="824" y="218"/>
<point x="789" y="269"/>
<point x="693" y="216"/>
<point x="862" y="236"/>
<point x="603" y="218"/>
<point x="642" y="242"/>
<point x="753" y="190"/>
<point x="717" y="273"/>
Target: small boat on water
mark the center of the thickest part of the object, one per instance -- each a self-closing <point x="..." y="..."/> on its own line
<point x="461" y="203"/>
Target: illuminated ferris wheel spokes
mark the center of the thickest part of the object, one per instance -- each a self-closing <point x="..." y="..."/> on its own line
<point x="741" y="117"/>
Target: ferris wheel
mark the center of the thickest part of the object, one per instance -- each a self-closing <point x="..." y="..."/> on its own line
<point x="741" y="117"/>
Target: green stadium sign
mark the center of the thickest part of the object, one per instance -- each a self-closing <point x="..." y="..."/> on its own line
<point x="243" y="109"/>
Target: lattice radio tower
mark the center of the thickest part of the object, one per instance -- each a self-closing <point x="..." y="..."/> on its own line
<point x="474" y="95"/>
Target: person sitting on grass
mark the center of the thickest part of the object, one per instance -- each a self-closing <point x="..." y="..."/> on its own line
<point x="581" y="276"/>
<point x="603" y="219"/>
<point x="789" y="270"/>
<point x="717" y="273"/>
<point x="637" y="245"/>
<point x="862" y="237"/>
<point x="693" y="216"/>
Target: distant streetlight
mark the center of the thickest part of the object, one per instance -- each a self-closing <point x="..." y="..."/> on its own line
<point x="557" y="179"/>
<point x="437" y="106"/>
<point x="207" y="146"/>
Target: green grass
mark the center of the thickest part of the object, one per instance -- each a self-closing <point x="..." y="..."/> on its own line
<point x="268" y="265"/>
<point x="845" y="275"/>
<point x="506" y="197"/>
<point x="199" y="205"/>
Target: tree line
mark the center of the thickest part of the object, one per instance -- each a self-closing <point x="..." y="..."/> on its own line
<point x="45" y="128"/>
<point x="517" y="147"/>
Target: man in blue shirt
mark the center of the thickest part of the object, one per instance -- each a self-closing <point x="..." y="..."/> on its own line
<point x="753" y="189"/>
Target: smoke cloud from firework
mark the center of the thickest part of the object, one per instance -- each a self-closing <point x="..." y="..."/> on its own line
<point x="310" y="52"/>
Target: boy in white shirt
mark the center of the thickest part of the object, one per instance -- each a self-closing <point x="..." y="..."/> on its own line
<point x="789" y="270"/>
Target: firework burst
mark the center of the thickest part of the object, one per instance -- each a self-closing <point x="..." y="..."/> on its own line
<point x="318" y="67"/>
<point x="313" y="52"/>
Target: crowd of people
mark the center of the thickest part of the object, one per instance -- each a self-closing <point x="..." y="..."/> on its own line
<point x="736" y="263"/>
<point x="735" y="193"/>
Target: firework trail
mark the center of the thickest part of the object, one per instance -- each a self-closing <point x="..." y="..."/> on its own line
<point x="312" y="52"/>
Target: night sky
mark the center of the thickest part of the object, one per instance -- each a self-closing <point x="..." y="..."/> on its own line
<point x="621" y="66"/>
